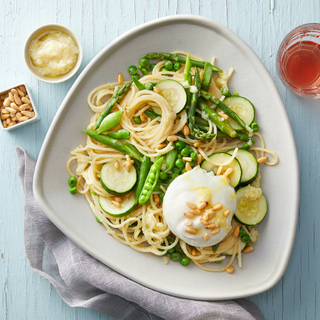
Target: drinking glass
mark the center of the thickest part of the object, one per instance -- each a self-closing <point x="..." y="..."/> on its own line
<point x="298" y="61"/>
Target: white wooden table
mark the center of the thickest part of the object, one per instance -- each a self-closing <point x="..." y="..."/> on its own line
<point x="262" y="24"/>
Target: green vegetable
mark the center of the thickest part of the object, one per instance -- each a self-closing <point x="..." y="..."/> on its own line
<point x="98" y="220"/>
<point x="144" y="62"/>
<point x="179" y="163"/>
<point x="136" y="76"/>
<point x="242" y="232"/>
<point x="121" y="134"/>
<point x="177" y="66"/>
<point x="161" y="196"/>
<point x="225" y="92"/>
<point x="132" y="70"/>
<point x="215" y="247"/>
<point x="245" y="238"/>
<point x="163" y="175"/>
<point x="185" y="261"/>
<point x="246" y="146"/>
<point x="168" y="65"/>
<point x="171" y="157"/>
<point x="183" y="171"/>
<point x="137" y="120"/>
<point x="176" y="57"/>
<point x="110" y="121"/>
<point x="170" y="239"/>
<point x="143" y="173"/>
<point x="145" y="71"/>
<point x="72" y="181"/>
<point x="187" y="77"/>
<point x="175" y="170"/>
<point x="151" y="181"/>
<point x="123" y="147"/>
<point x="152" y="66"/>
<point x="149" y="86"/>
<point x="235" y="93"/>
<point x="172" y="250"/>
<point x="127" y="207"/>
<point x="194" y="156"/>
<point x="218" y="262"/>
<point x="138" y="84"/>
<point x="176" y="256"/>
<point x="174" y="175"/>
<point x="178" y="248"/>
<point x="117" y="96"/>
<point x="254" y="126"/>
<point x="73" y="190"/>
<point x="139" y="66"/>
<point x="180" y="145"/>
<point x="93" y="192"/>
<point x="151" y="114"/>
<point x="207" y="76"/>
<point x="185" y="152"/>
<point x="164" y="69"/>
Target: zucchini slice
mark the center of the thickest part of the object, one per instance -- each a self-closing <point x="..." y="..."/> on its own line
<point x="127" y="206"/>
<point x="249" y="165"/>
<point x="117" y="182"/>
<point x="222" y="157"/>
<point x="174" y="93"/>
<point x="242" y="107"/>
<point x="250" y="210"/>
<point x="229" y="252"/>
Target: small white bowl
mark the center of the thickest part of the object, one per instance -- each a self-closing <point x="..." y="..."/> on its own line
<point x="36" y="33"/>
<point x="21" y="124"/>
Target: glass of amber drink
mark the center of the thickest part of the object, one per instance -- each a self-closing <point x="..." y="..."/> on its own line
<point x="298" y="61"/>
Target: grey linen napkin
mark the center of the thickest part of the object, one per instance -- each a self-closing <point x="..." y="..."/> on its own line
<point x="82" y="281"/>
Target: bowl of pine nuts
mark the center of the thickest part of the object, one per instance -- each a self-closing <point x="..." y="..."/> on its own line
<point x="17" y="108"/>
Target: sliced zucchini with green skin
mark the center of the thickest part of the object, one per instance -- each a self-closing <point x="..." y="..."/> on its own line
<point x="249" y="165"/>
<point x="222" y="157"/>
<point x="242" y="107"/>
<point x="174" y="93"/>
<point x="117" y="182"/>
<point x="127" y="206"/>
<point x="229" y="252"/>
<point x="250" y="212"/>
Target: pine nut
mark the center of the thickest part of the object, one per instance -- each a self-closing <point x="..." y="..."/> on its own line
<point x="118" y="199"/>
<point x="219" y="171"/>
<point x="4" y="111"/>
<point x="236" y="231"/>
<point x="216" y="230"/>
<point x="23" y="89"/>
<point x="24" y="107"/>
<point x="193" y="252"/>
<point x="186" y="130"/>
<point x="202" y="205"/>
<point x="189" y="223"/>
<point x="11" y="124"/>
<point x="11" y="96"/>
<point x="262" y="159"/>
<point x="191" y="230"/>
<point x="27" y="113"/>
<point x="191" y="205"/>
<point x="14" y="106"/>
<point x="230" y="270"/>
<point x="199" y="159"/>
<point x="126" y="196"/>
<point x="156" y="198"/>
<point x="197" y="144"/>
<point x="188" y="215"/>
<point x="128" y="166"/>
<point x="4" y="123"/>
<point x="3" y="97"/>
<point x="204" y="221"/>
<point x="161" y="146"/>
<point x="18" y="115"/>
<point x="218" y="206"/>
<point x="116" y="204"/>
<point x="172" y="138"/>
<point x="248" y="249"/>
<point x="206" y="236"/>
<point x="156" y="90"/>
<point x="131" y="161"/>
<point x="6" y="102"/>
<point x="12" y="115"/>
<point x="186" y="158"/>
<point x="188" y="166"/>
<point x="120" y="78"/>
<point x="24" y="118"/>
<point x="14" y="91"/>
<point x="195" y="212"/>
<point x="8" y="120"/>
<point x="30" y="109"/>
<point x="14" y="118"/>
<point x="32" y="114"/>
<point x="210" y="226"/>
<point x="116" y="165"/>
<point x="226" y="213"/>
<point x="142" y="117"/>
<point x="25" y="100"/>
<point x="11" y="110"/>
<point x="228" y="172"/>
<point x="17" y="100"/>
<point x="5" y="116"/>
<point x="20" y="92"/>
<point x="223" y="115"/>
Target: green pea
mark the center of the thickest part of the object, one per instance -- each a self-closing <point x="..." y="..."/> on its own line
<point x="73" y="190"/>
<point x="245" y="238"/>
<point x="177" y="66"/>
<point x="179" y="156"/>
<point x="235" y="93"/>
<point x="132" y="70"/>
<point x="152" y="176"/>
<point x="144" y="192"/>
<point x="218" y="262"/>
<point x="149" y="85"/>
<point x="185" y="261"/>
<point x="172" y="250"/>
<point x="178" y="248"/>
<point x="185" y="152"/>
<point x="152" y="66"/>
<point x="241" y="232"/>
<point x="175" y="175"/>
<point x="215" y="247"/>
<point x="254" y="126"/>
<point x="161" y="196"/>
<point x="246" y="146"/>
<point x="175" y="256"/>
<point x="192" y="163"/>
<point x="175" y="170"/>
<point x="163" y="175"/>
<point x="136" y="76"/>
<point x="179" y="163"/>
<point x="194" y="156"/>
<point x="137" y="120"/>
<point x="145" y="71"/>
<point x="144" y="62"/>
<point x="225" y="91"/>
<point x="93" y="192"/>
<point x="180" y="144"/>
<point x="168" y="65"/>
<point x="72" y="181"/>
<point x="148" y="186"/>
<point x="164" y="69"/>
<point x="98" y="220"/>
<point x="183" y="171"/>
<point x="139" y="66"/>
<point x="170" y="239"/>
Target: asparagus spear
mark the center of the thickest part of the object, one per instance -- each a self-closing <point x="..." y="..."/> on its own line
<point x="175" y="57"/>
<point x="207" y="76"/>
<point x="187" y="77"/>
<point x="225" y="109"/>
<point x="117" y="96"/>
<point x="224" y="126"/>
<point x="123" y="147"/>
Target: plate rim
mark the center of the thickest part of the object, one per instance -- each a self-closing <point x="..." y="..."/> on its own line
<point x="176" y="19"/>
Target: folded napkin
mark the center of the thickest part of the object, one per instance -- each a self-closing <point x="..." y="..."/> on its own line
<point x="82" y="281"/>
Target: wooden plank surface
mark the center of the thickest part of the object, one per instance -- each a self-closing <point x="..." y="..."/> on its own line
<point x="262" y="24"/>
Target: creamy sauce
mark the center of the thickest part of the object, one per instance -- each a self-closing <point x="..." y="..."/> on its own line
<point x="53" y="54"/>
